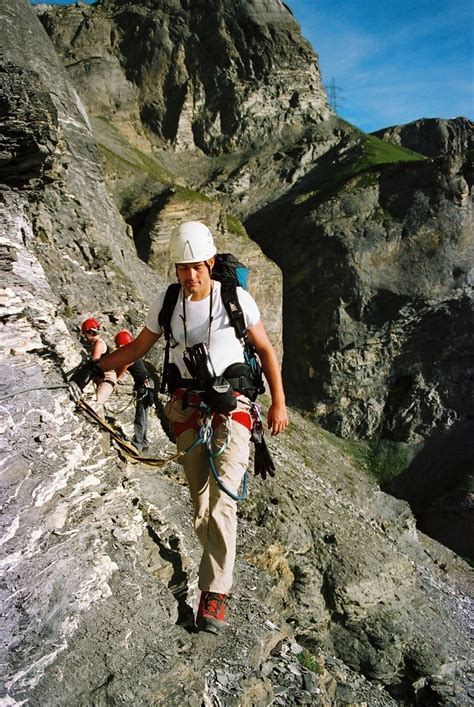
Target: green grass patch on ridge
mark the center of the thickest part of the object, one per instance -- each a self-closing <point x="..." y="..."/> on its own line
<point x="362" y="159"/>
<point x="309" y="661"/>
<point x="188" y="194"/>
<point x="142" y="163"/>
<point x="382" y="459"/>
<point x="116" y="149"/>
<point x="235" y="226"/>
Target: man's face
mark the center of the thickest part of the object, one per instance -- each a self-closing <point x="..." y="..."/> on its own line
<point x="194" y="278"/>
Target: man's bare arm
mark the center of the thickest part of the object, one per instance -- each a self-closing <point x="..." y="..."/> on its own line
<point x="129" y="353"/>
<point x="277" y="414"/>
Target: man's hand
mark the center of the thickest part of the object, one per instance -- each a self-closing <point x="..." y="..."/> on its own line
<point x="277" y="418"/>
<point x="85" y="373"/>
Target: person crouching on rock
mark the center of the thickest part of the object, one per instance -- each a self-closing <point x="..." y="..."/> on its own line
<point x="200" y="323"/>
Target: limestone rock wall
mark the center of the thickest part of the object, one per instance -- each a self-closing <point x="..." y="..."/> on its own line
<point x="194" y="78"/>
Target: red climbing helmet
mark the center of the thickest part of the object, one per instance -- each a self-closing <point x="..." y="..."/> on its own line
<point x="91" y="326"/>
<point x="123" y="337"/>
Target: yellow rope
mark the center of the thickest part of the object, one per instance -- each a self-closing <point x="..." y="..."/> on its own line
<point x="127" y="448"/>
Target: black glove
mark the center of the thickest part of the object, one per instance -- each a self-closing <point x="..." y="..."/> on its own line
<point x="145" y="393"/>
<point x="263" y="463"/>
<point x="85" y="373"/>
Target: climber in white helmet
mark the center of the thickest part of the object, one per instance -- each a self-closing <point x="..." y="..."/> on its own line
<point x="208" y="367"/>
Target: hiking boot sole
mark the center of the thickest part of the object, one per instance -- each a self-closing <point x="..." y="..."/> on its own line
<point x="215" y="626"/>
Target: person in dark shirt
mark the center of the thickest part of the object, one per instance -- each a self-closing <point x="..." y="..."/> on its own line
<point x="144" y="389"/>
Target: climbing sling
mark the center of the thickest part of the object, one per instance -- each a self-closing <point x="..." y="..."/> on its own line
<point x="128" y="449"/>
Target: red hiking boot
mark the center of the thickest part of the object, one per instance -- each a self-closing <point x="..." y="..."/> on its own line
<point x="211" y="612"/>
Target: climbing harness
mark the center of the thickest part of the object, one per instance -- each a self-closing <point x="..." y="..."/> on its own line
<point x="205" y="423"/>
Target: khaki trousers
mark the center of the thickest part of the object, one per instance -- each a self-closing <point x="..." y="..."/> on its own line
<point x="215" y="513"/>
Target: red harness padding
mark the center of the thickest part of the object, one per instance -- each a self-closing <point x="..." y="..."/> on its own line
<point x="241" y="416"/>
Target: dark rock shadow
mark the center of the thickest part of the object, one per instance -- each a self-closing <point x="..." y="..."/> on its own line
<point x="438" y="486"/>
<point x="178" y="584"/>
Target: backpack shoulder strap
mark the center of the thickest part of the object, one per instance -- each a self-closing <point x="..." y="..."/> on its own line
<point x="169" y="303"/>
<point x="164" y="320"/>
<point x="231" y="302"/>
<point x="234" y="311"/>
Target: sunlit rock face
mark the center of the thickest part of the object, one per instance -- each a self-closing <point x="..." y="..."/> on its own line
<point x="433" y="136"/>
<point x="194" y="77"/>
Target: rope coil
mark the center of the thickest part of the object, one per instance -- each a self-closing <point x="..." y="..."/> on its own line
<point x="205" y="436"/>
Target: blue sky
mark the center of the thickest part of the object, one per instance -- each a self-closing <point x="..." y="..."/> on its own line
<point x="393" y="60"/>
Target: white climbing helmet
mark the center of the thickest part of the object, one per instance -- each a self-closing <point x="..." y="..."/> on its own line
<point x="191" y="242"/>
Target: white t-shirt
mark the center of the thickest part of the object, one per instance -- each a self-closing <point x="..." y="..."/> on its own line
<point x="225" y="347"/>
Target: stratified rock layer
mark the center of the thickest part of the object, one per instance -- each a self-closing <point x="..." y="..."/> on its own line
<point x="194" y="76"/>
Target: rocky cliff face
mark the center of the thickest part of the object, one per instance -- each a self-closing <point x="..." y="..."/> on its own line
<point x="381" y="253"/>
<point x="380" y="266"/>
<point x="190" y="76"/>
<point x="99" y="557"/>
<point x="433" y="137"/>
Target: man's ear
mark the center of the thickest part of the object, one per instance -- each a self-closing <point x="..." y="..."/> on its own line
<point x="210" y="263"/>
